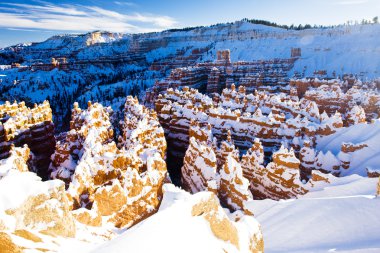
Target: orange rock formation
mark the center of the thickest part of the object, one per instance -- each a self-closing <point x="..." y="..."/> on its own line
<point x="21" y="125"/>
<point x="123" y="183"/>
<point x="200" y="171"/>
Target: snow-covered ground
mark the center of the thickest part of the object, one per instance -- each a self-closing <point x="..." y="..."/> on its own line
<point x="368" y="157"/>
<point x="340" y="217"/>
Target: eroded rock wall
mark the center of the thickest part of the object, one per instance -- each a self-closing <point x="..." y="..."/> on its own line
<point x="21" y="125"/>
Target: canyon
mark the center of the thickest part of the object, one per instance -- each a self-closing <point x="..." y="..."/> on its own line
<point x="236" y="135"/>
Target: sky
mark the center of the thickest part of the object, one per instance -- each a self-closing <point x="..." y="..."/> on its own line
<point x="36" y="20"/>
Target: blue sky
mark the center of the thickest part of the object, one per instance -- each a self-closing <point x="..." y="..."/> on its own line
<point x="36" y="20"/>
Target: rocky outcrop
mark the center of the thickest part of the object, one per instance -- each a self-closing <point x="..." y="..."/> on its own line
<point x="237" y="181"/>
<point x="199" y="171"/>
<point x="141" y="126"/>
<point x="252" y="162"/>
<point x="355" y="116"/>
<point x="7" y="245"/>
<point x="280" y="179"/>
<point x="90" y="128"/>
<point x="346" y="152"/>
<point x="350" y="97"/>
<point x="225" y="229"/>
<point x="307" y="157"/>
<point x="274" y="118"/>
<point x="373" y="173"/>
<point x="21" y="125"/>
<point x="30" y="204"/>
<point x="233" y="186"/>
<point x="101" y="183"/>
<point x="209" y="168"/>
<point x="18" y="160"/>
<point x="319" y="177"/>
<point x="329" y="125"/>
<point x="122" y="184"/>
<point x="197" y="216"/>
<point x="378" y="188"/>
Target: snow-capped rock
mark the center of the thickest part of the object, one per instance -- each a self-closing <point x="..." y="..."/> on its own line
<point x="27" y="203"/>
<point x="199" y="217"/>
<point x="21" y="125"/>
<point x="122" y="184"/>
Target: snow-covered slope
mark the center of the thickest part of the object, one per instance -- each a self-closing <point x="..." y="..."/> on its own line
<point x="344" y="49"/>
<point x="176" y="228"/>
<point x="368" y="157"/>
<point x="340" y="217"/>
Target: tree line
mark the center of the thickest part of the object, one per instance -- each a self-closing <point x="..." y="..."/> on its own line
<point x="374" y="20"/>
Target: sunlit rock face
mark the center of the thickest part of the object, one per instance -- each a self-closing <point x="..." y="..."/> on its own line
<point x="284" y="176"/>
<point x="198" y="216"/>
<point x="21" y="125"/>
<point x="121" y="183"/>
<point x="42" y="207"/>
<point x="233" y="186"/>
<point x="209" y="168"/>
<point x="95" y="185"/>
<point x="280" y="179"/>
<point x="229" y="229"/>
<point x="199" y="171"/>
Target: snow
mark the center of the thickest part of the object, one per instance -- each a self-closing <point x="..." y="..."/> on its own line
<point x="367" y="157"/>
<point x="327" y="161"/>
<point x="235" y="171"/>
<point x="23" y="185"/>
<point x="341" y="217"/>
<point x="172" y="229"/>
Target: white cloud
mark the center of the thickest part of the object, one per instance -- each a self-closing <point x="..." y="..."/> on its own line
<point x="48" y="16"/>
<point x="130" y="4"/>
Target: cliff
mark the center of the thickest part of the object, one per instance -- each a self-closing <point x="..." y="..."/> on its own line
<point x="20" y="125"/>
